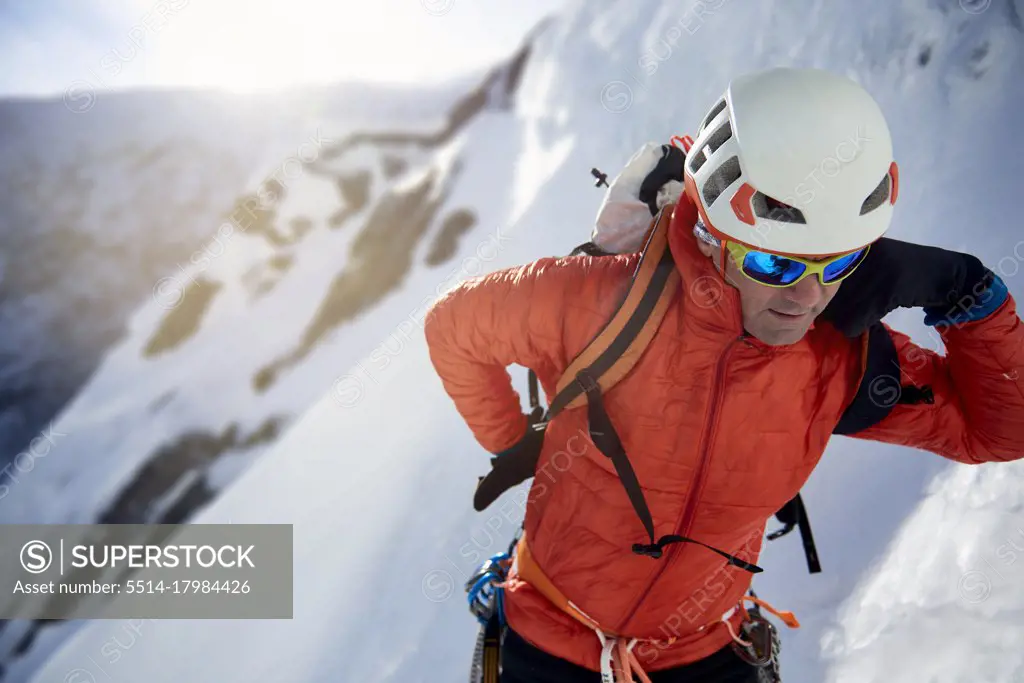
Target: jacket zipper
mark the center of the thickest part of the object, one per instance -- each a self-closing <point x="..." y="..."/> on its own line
<point x="685" y="522"/>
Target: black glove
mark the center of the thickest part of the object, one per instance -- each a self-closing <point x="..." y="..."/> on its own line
<point x="510" y="467"/>
<point x="899" y="274"/>
<point x="668" y="168"/>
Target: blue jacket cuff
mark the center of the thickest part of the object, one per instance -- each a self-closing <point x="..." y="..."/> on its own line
<point x="989" y="301"/>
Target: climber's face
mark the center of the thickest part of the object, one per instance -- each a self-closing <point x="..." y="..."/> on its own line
<point x="775" y="315"/>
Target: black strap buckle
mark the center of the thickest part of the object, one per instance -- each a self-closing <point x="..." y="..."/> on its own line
<point x="648" y="550"/>
<point x="781" y="532"/>
<point x="587" y="382"/>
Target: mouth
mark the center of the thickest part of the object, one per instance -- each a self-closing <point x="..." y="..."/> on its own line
<point x="789" y="317"/>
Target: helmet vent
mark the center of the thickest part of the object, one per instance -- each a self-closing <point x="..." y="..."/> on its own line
<point x="715" y="111"/>
<point x="724" y="176"/>
<point x="698" y="158"/>
<point x="719" y="138"/>
<point x="773" y="209"/>
<point x="878" y="196"/>
<point x="712" y="145"/>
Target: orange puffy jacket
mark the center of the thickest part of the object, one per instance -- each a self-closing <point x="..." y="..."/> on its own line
<point x="721" y="430"/>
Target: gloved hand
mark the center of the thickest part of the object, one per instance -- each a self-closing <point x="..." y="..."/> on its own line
<point x="664" y="183"/>
<point x="510" y="467"/>
<point x="898" y="274"/>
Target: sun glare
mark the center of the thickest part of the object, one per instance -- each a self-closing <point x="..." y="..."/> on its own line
<point x="264" y="44"/>
<point x="256" y="45"/>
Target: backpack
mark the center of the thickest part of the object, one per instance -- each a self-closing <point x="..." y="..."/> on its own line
<point x="634" y="217"/>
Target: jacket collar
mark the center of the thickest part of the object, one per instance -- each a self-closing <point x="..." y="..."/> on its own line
<point x="710" y="301"/>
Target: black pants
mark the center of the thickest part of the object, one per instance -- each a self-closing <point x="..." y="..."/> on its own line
<point x="523" y="663"/>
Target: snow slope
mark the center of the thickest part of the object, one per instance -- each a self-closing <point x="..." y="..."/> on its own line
<point x="98" y="203"/>
<point x="95" y="207"/>
<point x="373" y="473"/>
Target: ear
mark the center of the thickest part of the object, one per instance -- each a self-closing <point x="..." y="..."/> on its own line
<point x="714" y="253"/>
<point x="705" y="248"/>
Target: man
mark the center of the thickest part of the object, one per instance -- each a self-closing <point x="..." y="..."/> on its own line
<point x="772" y="344"/>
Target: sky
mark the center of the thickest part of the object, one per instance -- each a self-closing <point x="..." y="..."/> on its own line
<point x="49" y="46"/>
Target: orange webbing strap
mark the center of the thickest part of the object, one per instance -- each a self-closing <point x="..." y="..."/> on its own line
<point x="618" y="347"/>
<point x="685" y="140"/>
<point x="632" y="663"/>
<point x="620" y="653"/>
<point x="527" y="571"/>
<point x="788" y="618"/>
<point x="865" y="341"/>
<point x="615" y="649"/>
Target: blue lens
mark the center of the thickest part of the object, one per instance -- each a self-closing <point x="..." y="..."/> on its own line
<point x="772" y="269"/>
<point x="840" y="267"/>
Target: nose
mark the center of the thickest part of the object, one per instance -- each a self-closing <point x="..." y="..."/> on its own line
<point x="806" y="294"/>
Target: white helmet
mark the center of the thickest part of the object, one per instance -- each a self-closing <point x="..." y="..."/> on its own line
<point x="794" y="161"/>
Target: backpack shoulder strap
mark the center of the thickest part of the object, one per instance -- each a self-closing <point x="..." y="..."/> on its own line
<point x="878" y="362"/>
<point x="590" y="249"/>
<point x="880" y="389"/>
<point x="619" y="345"/>
<point x="609" y="356"/>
